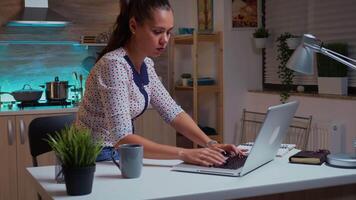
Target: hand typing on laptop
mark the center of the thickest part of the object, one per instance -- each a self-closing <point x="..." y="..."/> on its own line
<point x="212" y="155"/>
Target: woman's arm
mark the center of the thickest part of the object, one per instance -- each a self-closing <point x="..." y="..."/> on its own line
<point x="185" y="125"/>
<point x="203" y="156"/>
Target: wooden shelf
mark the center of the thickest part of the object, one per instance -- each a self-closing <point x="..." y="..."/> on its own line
<point x="94" y="44"/>
<point x="201" y="88"/>
<point x="216" y="42"/>
<point x="188" y="39"/>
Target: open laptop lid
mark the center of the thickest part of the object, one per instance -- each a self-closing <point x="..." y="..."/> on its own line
<point x="271" y="135"/>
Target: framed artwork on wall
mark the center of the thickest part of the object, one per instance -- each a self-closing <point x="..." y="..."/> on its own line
<point x="205" y="16"/>
<point x="244" y="14"/>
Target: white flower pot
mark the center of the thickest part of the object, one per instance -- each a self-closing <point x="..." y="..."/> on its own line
<point x="260" y="43"/>
<point x="185" y="81"/>
<point x="293" y="43"/>
<point x="332" y="85"/>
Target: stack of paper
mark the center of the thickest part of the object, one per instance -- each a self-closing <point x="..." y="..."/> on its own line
<point x="284" y="149"/>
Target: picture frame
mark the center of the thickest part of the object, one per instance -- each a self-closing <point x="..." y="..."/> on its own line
<point x="244" y="14"/>
<point x="205" y="16"/>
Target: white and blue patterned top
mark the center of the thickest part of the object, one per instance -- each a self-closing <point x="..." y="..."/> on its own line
<point x="116" y="94"/>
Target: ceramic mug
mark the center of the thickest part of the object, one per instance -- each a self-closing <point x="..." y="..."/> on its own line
<point x="131" y="160"/>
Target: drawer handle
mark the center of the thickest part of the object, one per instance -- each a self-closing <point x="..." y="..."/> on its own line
<point x="22" y="131"/>
<point x="10" y="132"/>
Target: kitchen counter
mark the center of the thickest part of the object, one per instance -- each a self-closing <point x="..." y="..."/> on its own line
<point x="5" y="111"/>
<point x="157" y="181"/>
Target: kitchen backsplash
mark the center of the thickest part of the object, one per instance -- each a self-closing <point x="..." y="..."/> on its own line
<point x="37" y="64"/>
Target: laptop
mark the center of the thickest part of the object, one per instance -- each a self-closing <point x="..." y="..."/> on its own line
<point x="265" y="148"/>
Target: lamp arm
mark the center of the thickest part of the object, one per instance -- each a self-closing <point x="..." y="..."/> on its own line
<point x="335" y="57"/>
<point x="336" y="53"/>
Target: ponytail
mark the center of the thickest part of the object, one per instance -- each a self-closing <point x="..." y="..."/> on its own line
<point x="139" y="9"/>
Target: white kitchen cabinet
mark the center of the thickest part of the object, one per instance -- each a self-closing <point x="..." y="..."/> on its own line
<point x="15" y="155"/>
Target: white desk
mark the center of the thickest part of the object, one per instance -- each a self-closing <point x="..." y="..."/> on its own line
<point x="159" y="182"/>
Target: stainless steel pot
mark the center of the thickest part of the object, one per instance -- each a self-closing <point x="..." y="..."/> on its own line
<point x="27" y="94"/>
<point x="57" y="90"/>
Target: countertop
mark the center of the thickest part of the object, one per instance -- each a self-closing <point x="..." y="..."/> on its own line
<point x="157" y="181"/>
<point x="5" y="111"/>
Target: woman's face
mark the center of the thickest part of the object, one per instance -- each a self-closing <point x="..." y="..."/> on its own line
<point x="152" y="36"/>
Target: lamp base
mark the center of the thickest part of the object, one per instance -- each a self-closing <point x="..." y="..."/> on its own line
<point x="341" y="160"/>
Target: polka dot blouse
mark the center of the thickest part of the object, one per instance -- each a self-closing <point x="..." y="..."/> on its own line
<point x="116" y="94"/>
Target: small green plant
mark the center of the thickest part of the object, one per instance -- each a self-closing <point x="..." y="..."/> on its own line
<point x="75" y="147"/>
<point x="328" y="67"/>
<point x="284" y="74"/>
<point x="186" y="75"/>
<point x="261" y="33"/>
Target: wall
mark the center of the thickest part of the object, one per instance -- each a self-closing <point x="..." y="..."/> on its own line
<point x="242" y="71"/>
<point x="241" y="60"/>
<point x="31" y="62"/>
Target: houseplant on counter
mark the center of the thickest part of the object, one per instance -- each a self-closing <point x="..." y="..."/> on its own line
<point x="260" y="37"/>
<point x="332" y="75"/>
<point x="77" y="152"/>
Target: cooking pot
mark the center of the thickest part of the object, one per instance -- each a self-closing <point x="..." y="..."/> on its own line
<point x="57" y="90"/>
<point x="26" y="94"/>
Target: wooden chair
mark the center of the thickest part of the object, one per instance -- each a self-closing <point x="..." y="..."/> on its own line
<point x="298" y="132"/>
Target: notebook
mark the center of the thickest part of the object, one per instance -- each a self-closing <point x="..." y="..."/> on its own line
<point x="267" y="143"/>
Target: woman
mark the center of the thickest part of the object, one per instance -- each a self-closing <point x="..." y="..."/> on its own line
<point x="123" y="82"/>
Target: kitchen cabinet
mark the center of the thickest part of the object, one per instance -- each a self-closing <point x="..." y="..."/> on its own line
<point x="8" y="173"/>
<point x="15" y="155"/>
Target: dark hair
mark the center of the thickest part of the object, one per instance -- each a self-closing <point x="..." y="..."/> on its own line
<point x="141" y="10"/>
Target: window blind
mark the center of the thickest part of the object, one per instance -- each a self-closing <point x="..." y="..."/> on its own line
<point x="328" y="20"/>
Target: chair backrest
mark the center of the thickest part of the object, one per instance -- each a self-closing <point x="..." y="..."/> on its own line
<point x="298" y="132"/>
<point x="40" y="128"/>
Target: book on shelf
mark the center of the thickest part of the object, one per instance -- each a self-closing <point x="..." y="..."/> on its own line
<point x="284" y="149"/>
<point x="310" y="157"/>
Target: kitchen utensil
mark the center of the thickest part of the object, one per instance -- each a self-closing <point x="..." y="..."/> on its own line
<point x="57" y="90"/>
<point x="81" y="85"/>
<point x="25" y="94"/>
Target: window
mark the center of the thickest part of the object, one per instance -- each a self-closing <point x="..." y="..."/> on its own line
<point x="328" y="20"/>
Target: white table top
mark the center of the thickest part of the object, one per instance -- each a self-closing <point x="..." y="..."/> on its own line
<point x="159" y="182"/>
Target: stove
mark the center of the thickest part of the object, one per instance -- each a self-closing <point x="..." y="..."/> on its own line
<point x="45" y="103"/>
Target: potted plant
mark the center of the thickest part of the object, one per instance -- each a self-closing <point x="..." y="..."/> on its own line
<point x="332" y="75"/>
<point x="185" y="78"/>
<point x="77" y="152"/>
<point x="285" y="75"/>
<point x="260" y="36"/>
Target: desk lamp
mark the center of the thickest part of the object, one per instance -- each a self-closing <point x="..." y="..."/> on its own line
<point x="302" y="61"/>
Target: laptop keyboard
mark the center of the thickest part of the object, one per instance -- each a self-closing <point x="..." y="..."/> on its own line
<point x="233" y="162"/>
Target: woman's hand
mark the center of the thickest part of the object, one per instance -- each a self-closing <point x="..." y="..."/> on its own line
<point x="203" y="156"/>
<point x="229" y="148"/>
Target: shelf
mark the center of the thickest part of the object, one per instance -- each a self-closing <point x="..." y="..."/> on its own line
<point x="94" y="44"/>
<point x="201" y="88"/>
<point x="188" y="39"/>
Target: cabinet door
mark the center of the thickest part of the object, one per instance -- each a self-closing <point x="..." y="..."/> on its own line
<point x="8" y="181"/>
<point x="152" y="126"/>
<point x="24" y="158"/>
